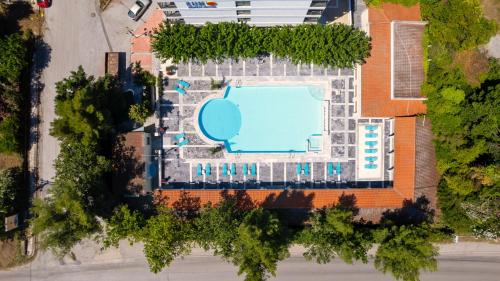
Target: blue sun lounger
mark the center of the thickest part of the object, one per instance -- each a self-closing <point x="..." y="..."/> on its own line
<point x="306" y="169"/>
<point x="371" y="150"/>
<point x="371" y="143"/>
<point x="183" y="84"/>
<point x="180" y="90"/>
<point x="371" y="135"/>
<point x="178" y="136"/>
<point x="208" y="169"/>
<point x="253" y="170"/>
<point x="245" y="169"/>
<point x="224" y="169"/>
<point x="233" y="169"/>
<point x="371" y="127"/>
<point x="183" y="142"/>
<point x="338" y="168"/>
<point x="371" y="166"/>
<point x="199" y="170"/>
<point x="330" y="168"/>
<point x="371" y="158"/>
<point x="299" y="168"/>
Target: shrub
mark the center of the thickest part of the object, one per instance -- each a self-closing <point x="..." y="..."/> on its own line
<point x="334" y="45"/>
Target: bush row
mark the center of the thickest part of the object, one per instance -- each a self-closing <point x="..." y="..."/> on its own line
<point x="334" y="45"/>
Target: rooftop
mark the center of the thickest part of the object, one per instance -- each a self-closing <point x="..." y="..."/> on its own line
<point x="376" y="97"/>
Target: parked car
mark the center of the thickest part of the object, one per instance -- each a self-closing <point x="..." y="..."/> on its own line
<point x="43" y="3"/>
<point x="138" y="9"/>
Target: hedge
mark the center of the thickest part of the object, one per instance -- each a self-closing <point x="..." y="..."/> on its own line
<point x="335" y="45"/>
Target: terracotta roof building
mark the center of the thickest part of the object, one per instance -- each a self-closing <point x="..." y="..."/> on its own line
<point x="388" y="95"/>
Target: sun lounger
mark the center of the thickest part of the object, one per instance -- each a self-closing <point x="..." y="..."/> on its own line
<point x="371" y="143"/>
<point x="306" y="169"/>
<point x="371" y="158"/>
<point x="330" y="168"/>
<point x="178" y="136"/>
<point x="370" y="166"/>
<point x="253" y="170"/>
<point x="183" y="142"/>
<point x="371" y="135"/>
<point x="224" y="169"/>
<point x="245" y="169"/>
<point x="208" y="169"/>
<point x="199" y="170"/>
<point x="338" y="169"/>
<point x="371" y="150"/>
<point x="183" y="84"/>
<point x="299" y="168"/>
<point x="180" y="91"/>
<point x="233" y="169"/>
<point x="371" y="127"/>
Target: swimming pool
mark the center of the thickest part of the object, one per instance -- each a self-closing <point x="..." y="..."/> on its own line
<point x="263" y="119"/>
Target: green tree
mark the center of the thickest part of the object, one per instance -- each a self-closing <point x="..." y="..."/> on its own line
<point x="78" y="196"/>
<point x="335" y="45"/>
<point x="457" y="24"/>
<point x="139" y="112"/>
<point x="333" y="232"/>
<point x="9" y="191"/>
<point x="87" y="108"/>
<point x="12" y="60"/>
<point x="124" y="224"/>
<point x="62" y="219"/>
<point x="165" y="237"/>
<point x="405" y="250"/>
<point x="9" y="134"/>
<point x="261" y="243"/>
<point x="217" y="227"/>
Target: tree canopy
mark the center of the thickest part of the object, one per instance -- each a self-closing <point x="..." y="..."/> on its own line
<point x="333" y="232"/>
<point x="165" y="237"/>
<point x="335" y="45"/>
<point x="405" y="250"/>
<point x="13" y="52"/>
<point x="260" y="244"/>
<point x="87" y="108"/>
<point x="69" y="213"/>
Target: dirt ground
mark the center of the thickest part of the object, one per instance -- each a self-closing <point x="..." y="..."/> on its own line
<point x="491" y="9"/>
<point x="473" y="63"/>
<point x="10" y="160"/>
<point x="9" y="253"/>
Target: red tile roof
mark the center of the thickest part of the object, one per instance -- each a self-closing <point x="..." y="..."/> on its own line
<point x="376" y="102"/>
<point x="404" y="182"/>
<point x="376" y="72"/>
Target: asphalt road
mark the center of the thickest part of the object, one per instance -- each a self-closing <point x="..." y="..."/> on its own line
<point x="77" y="33"/>
<point x="296" y="268"/>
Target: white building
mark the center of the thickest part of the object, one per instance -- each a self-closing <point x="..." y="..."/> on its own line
<point x="255" y="12"/>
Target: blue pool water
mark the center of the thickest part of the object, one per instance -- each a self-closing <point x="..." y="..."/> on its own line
<point x="264" y="119"/>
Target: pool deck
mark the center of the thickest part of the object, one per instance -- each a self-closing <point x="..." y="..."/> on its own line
<point x="274" y="170"/>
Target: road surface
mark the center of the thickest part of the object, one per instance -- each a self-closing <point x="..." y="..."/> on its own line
<point x="208" y="268"/>
<point x="467" y="261"/>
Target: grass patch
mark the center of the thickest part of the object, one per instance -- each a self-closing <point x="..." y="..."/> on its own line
<point x="491" y="9"/>
<point x="10" y="160"/>
<point x="12" y="252"/>
<point x="473" y="63"/>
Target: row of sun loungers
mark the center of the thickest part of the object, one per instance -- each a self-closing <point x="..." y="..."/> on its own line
<point x="372" y="144"/>
<point x="227" y="170"/>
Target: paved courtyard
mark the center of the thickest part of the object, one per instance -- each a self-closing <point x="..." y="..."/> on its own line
<point x="178" y="114"/>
